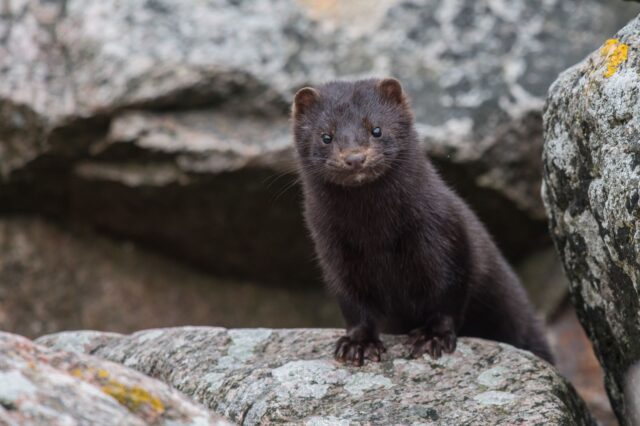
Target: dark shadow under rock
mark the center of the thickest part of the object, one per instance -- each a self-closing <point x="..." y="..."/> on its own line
<point x="56" y="280"/>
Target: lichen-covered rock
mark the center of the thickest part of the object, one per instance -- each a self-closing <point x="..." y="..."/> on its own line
<point x="53" y="279"/>
<point x="592" y="184"/>
<point x="41" y="386"/>
<point x="166" y="121"/>
<point x="263" y="376"/>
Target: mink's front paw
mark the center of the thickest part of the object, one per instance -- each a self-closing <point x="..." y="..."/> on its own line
<point x="434" y="344"/>
<point x="354" y="352"/>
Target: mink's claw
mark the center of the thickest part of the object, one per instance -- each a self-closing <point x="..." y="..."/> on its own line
<point x="354" y="352"/>
<point x="434" y="344"/>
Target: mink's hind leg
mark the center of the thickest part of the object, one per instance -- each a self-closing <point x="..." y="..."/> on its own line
<point x="438" y="337"/>
<point x="361" y="341"/>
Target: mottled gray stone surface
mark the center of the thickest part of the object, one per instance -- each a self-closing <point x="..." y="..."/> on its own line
<point x="264" y="376"/>
<point x="41" y="386"/>
<point x="165" y="121"/>
<point x="592" y="184"/>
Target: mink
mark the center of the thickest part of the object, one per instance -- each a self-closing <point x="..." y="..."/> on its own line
<point x="399" y="249"/>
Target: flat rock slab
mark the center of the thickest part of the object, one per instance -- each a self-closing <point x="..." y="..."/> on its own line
<point x="592" y="188"/>
<point x="264" y="376"/>
<point x="41" y="386"/>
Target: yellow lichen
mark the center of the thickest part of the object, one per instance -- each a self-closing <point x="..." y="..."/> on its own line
<point x="77" y="372"/>
<point x="615" y="53"/>
<point x="133" y="397"/>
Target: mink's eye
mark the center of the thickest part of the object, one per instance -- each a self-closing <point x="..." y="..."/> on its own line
<point x="376" y="132"/>
<point x="326" y="138"/>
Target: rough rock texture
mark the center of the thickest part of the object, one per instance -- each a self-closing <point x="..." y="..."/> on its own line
<point x="163" y="122"/>
<point x="592" y="184"/>
<point x="575" y="360"/>
<point x="40" y="386"/>
<point x="262" y="376"/>
<point x="53" y="279"/>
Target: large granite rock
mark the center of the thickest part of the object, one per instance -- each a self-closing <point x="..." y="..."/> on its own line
<point x="53" y="279"/>
<point x="262" y="376"/>
<point x="592" y="184"/>
<point x="166" y="120"/>
<point x="43" y="387"/>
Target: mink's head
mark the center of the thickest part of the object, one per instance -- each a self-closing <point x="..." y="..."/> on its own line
<point x="351" y="134"/>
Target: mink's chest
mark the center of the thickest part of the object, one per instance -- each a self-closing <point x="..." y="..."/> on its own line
<point x="378" y="253"/>
<point x="388" y="272"/>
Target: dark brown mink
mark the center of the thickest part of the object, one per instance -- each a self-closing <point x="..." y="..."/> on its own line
<point x="398" y="248"/>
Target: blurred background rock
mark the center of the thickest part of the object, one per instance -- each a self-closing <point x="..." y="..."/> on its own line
<point x="146" y="173"/>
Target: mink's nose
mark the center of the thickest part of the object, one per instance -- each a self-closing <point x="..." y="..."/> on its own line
<point x="356" y="160"/>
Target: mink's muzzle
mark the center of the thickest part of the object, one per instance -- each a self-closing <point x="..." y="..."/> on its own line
<point x="354" y="169"/>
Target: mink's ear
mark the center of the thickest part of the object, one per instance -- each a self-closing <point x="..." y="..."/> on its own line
<point x="391" y="90"/>
<point x="305" y="98"/>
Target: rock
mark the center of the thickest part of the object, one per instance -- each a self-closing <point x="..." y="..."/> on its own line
<point x="159" y="121"/>
<point x="264" y="376"/>
<point x="40" y="386"/>
<point x="575" y="360"/>
<point x="592" y="179"/>
<point x="54" y="279"/>
<point x="632" y="393"/>
<point x="544" y="279"/>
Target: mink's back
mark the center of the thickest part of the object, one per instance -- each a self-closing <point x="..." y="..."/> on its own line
<point x="498" y="307"/>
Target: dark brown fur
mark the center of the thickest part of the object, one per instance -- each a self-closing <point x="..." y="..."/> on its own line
<point x="400" y="250"/>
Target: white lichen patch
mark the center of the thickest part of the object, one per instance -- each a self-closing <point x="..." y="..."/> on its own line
<point x="132" y="361"/>
<point x="410" y="368"/>
<point x="463" y="349"/>
<point x="258" y="408"/>
<point x="32" y="409"/>
<point x="248" y="338"/>
<point x="77" y="341"/>
<point x="243" y="343"/>
<point x="618" y="89"/>
<point x="226" y="362"/>
<point x="73" y="341"/>
<point x="326" y="421"/>
<point x="146" y="336"/>
<point x="585" y="224"/>
<point x="214" y="380"/>
<point x="493" y="378"/>
<point x="561" y="150"/>
<point x="194" y="421"/>
<point x="360" y="383"/>
<point x="495" y="398"/>
<point x="309" y="379"/>
<point x="14" y="386"/>
<point x="446" y="360"/>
